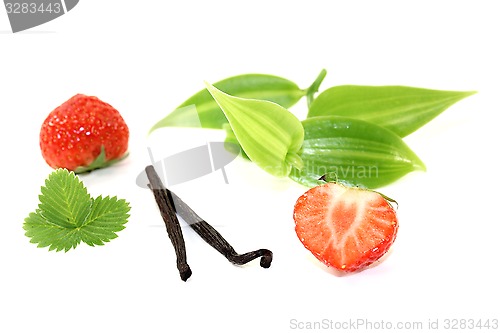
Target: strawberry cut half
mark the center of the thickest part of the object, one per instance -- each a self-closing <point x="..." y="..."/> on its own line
<point x="345" y="228"/>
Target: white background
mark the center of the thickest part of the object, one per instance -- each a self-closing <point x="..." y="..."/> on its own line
<point x="145" y="58"/>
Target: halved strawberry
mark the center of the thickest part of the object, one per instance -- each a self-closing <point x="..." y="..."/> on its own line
<point x="346" y="228"/>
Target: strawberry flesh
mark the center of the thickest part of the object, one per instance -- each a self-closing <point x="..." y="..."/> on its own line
<point x="345" y="228"/>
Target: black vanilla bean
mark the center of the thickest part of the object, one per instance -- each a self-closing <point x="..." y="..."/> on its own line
<point x="215" y="239"/>
<point x="164" y="201"/>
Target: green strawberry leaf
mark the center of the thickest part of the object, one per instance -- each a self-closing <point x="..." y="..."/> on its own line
<point x="107" y="217"/>
<point x="67" y="215"/>
<point x="64" y="200"/>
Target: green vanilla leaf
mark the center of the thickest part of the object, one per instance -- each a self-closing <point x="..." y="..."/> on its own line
<point x="231" y="143"/>
<point x="255" y="86"/>
<point x="356" y="152"/>
<point x="398" y="108"/>
<point x="269" y="134"/>
<point x="67" y="215"/>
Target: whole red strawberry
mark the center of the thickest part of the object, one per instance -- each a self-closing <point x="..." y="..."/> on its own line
<point x="82" y="134"/>
<point x="346" y="228"/>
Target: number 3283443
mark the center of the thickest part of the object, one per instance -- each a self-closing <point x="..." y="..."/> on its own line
<point x="33" y="8"/>
<point x="470" y="324"/>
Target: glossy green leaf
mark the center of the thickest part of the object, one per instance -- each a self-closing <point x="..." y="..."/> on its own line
<point x="358" y="152"/>
<point x="231" y="142"/>
<point x="400" y="109"/>
<point x="256" y="86"/>
<point x="269" y="134"/>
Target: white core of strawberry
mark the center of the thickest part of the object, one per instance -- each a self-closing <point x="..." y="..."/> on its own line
<point x="360" y="201"/>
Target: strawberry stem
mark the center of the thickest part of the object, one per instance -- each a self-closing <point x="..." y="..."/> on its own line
<point x="99" y="163"/>
<point x="388" y="199"/>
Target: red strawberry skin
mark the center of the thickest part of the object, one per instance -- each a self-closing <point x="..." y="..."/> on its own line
<point x="74" y="133"/>
<point x="345" y="228"/>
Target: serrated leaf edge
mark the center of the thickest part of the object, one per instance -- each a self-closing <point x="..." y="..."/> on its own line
<point x="59" y="247"/>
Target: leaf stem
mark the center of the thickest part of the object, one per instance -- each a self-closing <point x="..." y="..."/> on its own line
<point x="313" y="89"/>
<point x="294" y="160"/>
